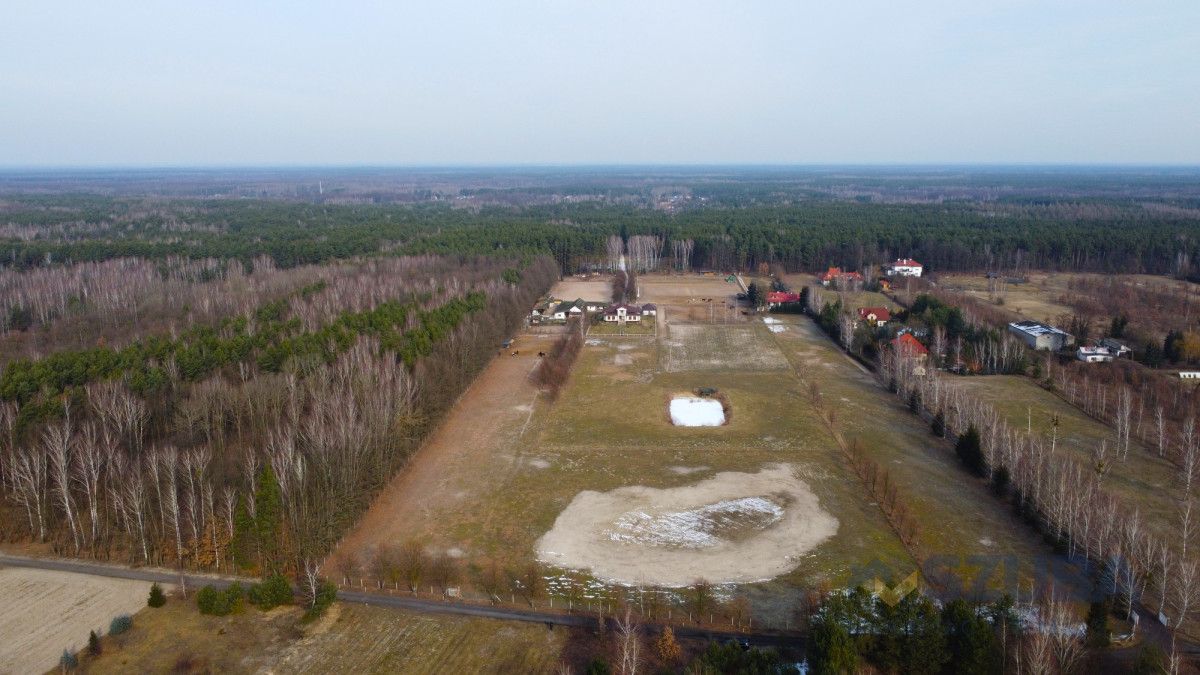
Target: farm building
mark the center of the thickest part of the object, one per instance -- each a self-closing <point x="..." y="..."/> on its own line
<point x="1119" y="349"/>
<point x="875" y="315"/>
<point x="777" y="298"/>
<point x="904" y="267"/>
<point x="1189" y="374"/>
<point x="649" y="309"/>
<point x="622" y="313"/>
<point x="1040" y="336"/>
<point x="565" y="310"/>
<point x="1094" y="354"/>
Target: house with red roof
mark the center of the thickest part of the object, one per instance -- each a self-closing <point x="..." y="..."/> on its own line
<point x="777" y="298"/>
<point x="839" y="277"/>
<point x="909" y="346"/>
<point x="905" y="267"/>
<point x="878" y="316"/>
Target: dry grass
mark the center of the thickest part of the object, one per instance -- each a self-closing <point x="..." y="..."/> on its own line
<point x="45" y="612"/>
<point x="1142" y="480"/>
<point x="957" y="514"/>
<point x="1038" y="299"/>
<point x="350" y="639"/>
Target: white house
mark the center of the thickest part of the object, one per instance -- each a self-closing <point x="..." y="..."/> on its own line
<point x="568" y="309"/>
<point x="1189" y="374"/>
<point x="905" y="267"/>
<point x="1094" y="354"/>
<point x="649" y="309"/>
<point x="622" y="313"/>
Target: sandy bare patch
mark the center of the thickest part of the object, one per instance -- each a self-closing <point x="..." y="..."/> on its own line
<point x="622" y="360"/>
<point x="45" y="612"/>
<point x="731" y="528"/>
<point x="539" y="464"/>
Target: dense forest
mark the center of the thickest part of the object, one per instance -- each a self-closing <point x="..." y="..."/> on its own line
<point x="248" y="431"/>
<point x="1086" y="233"/>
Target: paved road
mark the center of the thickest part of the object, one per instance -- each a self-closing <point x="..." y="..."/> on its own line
<point x="194" y="580"/>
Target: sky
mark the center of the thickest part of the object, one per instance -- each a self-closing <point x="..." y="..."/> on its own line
<point x="215" y="83"/>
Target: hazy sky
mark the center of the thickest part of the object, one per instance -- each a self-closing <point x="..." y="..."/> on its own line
<point x="608" y="81"/>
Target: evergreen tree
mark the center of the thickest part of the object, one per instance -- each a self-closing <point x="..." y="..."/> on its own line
<point x="939" y="424"/>
<point x="970" y="640"/>
<point x="833" y="651"/>
<point x="244" y="546"/>
<point x="970" y="453"/>
<point x="1097" y="624"/>
<point x="268" y="519"/>
<point x="94" y="646"/>
<point x="157" y="597"/>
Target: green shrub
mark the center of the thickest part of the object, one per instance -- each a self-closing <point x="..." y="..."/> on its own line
<point x="120" y="624"/>
<point x="326" y="594"/>
<point x="68" y="661"/>
<point x="219" y="603"/>
<point x="157" y="597"/>
<point x="272" y="592"/>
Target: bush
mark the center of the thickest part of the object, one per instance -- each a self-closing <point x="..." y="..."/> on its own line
<point x="272" y="592"/>
<point x="326" y="594"/>
<point x="157" y="597"/>
<point x="94" y="646"/>
<point x="1097" y="624"/>
<point x="970" y="452"/>
<point x="219" y="603"/>
<point x="939" y="424"/>
<point x="68" y="661"/>
<point x="120" y="624"/>
<point x="1000" y="480"/>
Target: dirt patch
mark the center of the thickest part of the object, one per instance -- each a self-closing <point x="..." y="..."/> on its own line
<point x="475" y="444"/>
<point x="45" y="612"/>
<point x="599" y="288"/>
<point x="731" y="528"/>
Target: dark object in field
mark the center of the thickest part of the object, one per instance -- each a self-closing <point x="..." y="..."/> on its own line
<point x="541" y="354"/>
<point x="706" y="391"/>
<point x="514" y="353"/>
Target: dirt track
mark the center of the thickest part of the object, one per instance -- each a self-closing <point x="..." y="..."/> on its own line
<point x="451" y="469"/>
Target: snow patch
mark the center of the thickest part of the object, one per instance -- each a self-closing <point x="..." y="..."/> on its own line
<point x="776" y="329"/>
<point x="695" y="528"/>
<point x="770" y="320"/>
<point x="690" y="411"/>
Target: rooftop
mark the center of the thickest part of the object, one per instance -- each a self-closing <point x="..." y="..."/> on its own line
<point x="1037" y="328"/>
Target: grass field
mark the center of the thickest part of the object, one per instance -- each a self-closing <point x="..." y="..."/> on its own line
<point x="349" y="639"/>
<point x="46" y="612"/>
<point x="1142" y="480"/>
<point x="1038" y="299"/>
<point x="959" y="516"/>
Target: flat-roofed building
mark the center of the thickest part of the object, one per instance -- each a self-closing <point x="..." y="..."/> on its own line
<point x="1041" y="336"/>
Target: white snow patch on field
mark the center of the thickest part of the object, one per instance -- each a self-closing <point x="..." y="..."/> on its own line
<point x="690" y="411"/>
<point x="731" y="528"/>
<point x="770" y="320"/>
<point x="776" y="329"/>
<point x="694" y="528"/>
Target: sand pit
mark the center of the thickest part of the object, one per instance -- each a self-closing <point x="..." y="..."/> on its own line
<point x="731" y="528"/>
<point x="691" y="411"/>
